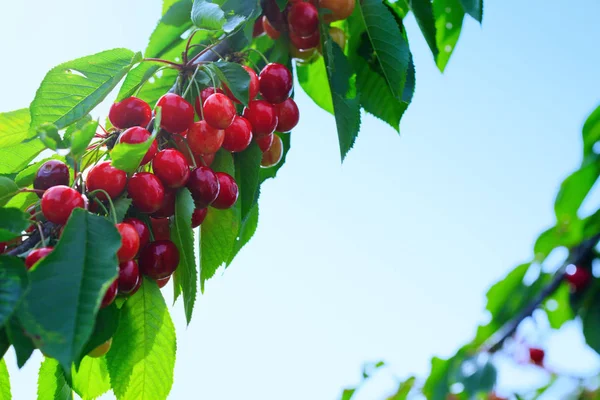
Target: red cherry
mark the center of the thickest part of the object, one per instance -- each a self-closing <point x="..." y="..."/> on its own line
<point x="137" y="287"/>
<point x="303" y="19"/>
<point x="198" y="216"/>
<point x="204" y="139"/>
<point x="130" y="112"/>
<point x="171" y="167"/>
<point x="265" y="142"/>
<point x="146" y="191"/>
<point x="288" y="115"/>
<point x="163" y="282"/>
<point x="262" y="116"/>
<point x="307" y="42"/>
<point x="159" y="259"/>
<point x="275" y="82"/>
<point x="258" y="28"/>
<point x="252" y="88"/>
<point x="219" y="111"/>
<point x="141" y="229"/>
<point x="269" y="29"/>
<point x="129" y="276"/>
<point x="59" y="202"/>
<point x="110" y="294"/>
<point x="130" y="242"/>
<point x="140" y="135"/>
<point x="204" y="94"/>
<point x="2" y="247"/>
<point x="204" y="186"/>
<point x="274" y="154"/>
<point x="536" y="355"/>
<point x="177" y="113"/>
<point x="167" y="207"/>
<point x="36" y="255"/>
<point x="228" y="192"/>
<point x="238" y="136"/>
<point x="51" y="173"/>
<point x="161" y="227"/>
<point x="106" y="177"/>
<point x="578" y="278"/>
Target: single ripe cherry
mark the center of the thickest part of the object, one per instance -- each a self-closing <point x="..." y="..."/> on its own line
<point x="167" y="207"/>
<point x="129" y="276"/>
<point x="171" y="167"/>
<point x="130" y="242"/>
<point x="340" y="9"/>
<point x="139" y="135"/>
<point x="146" y="191"/>
<point x="198" y="216"/>
<point x="262" y="116"/>
<point x="101" y="350"/>
<point x="141" y="229"/>
<point x="51" y="173"/>
<point x="159" y="259"/>
<point x="258" y="29"/>
<point x="219" y="111"/>
<point x="58" y="203"/>
<point x="228" y="192"/>
<point x="252" y="88"/>
<point x="536" y="355"/>
<point x="303" y="19"/>
<point x="177" y="113"/>
<point x="273" y="155"/>
<point x="130" y="112"/>
<point x="307" y="42"/>
<point x="163" y="282"/>
<point x="161" y="227"/>
<point x="238" y="136"/>
<point x="269" y="29"/>
<point x="108" y="178"/>
<point x="265" y="142"/>
<point x="36" y="255"/>
<point x="288" y="115"/>
<point x="110" y="294"/>
<point x="204" y="186"/>
<point x="204" y="139"/>
<point x="204" y="94"/>
<point x="579" y="278"/>
<point x="275" y="82"/>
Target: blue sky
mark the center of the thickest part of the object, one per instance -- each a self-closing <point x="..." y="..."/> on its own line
<point x="389" y="255"/>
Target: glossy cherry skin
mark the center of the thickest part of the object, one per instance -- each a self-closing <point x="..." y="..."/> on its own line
<point x="275" y="82"/>
<point x="265" y="142"/>
<point x="58" y="203"/>
<point x="219" y="111"/>
<point x="139" y="135"/>
<point x="101" y="350"/>
<point x="204" y="186"/>
<point x="198" y="216"/>
<point x="258" y="28"/>
<point x="579" y="278"/>
<point x="288" y="115"/>
<point x="108" y="178"/>
<point x="536" y="355"/>
<point x="177" y="113"/>
<point x="161" y="227"/>
<point x="204" y="94"/>
<point x="274" y="154"/>
<point x="269" y="29"/>
<point x="36" y="255"/>
<point x="167" y="208"/>
<point x="306" y="43"/>
<point x="262" y="116"/>
<point x="129" y="276"/>
<point x="130" y="112"/>
<point x="146" y="191"/>
<point x="228" y="192"/>
<point x="238" y="136"/>
<point x="171" y="167"/>
<point x="340" y="9"/>
<point x="51" y="173"/>
<point x="110" y="294"/>
<point x="303" y="19"/>
<point x="252" y="88"/>
<point x="130" y="242"/>
<point x="163" y="282"/>
<point x="141" y="229"/>
<point x="204" y="139"/>
<point x="159" y="259"/>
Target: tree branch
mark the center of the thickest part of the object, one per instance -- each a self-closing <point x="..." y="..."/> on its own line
<point x="33" y="240"/>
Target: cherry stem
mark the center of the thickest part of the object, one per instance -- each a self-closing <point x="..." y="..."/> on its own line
<point x="110" y="202"/>
<point x="200" y="102"/>
<point x="160" y="60"/>
<point x="265" y="59"/>
<point x="207" y="48"/>
<point x="25" y="190"/>
<point x="41" y="230"/>
<point x="187" y="146"/>
<point x="192" y="79"/>
<point x="187" y="47"/>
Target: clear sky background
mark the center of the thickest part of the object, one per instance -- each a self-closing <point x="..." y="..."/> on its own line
<point x="389" y="255"/>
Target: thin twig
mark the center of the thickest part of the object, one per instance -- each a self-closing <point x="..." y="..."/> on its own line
<point x="33" y="240"/>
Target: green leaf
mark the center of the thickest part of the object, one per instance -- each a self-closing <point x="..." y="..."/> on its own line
<point x="91" y="380"/>
<point x="575" y="188"/>
<point x="477" y="374"/>
<point x="424" y="15"/>
<point x="22" y="343"/>
<point x="122" y="205"/>
<point x="247" y="176"/>
<point x="15" y="158"/>
<point x="81" y="139"/>
<point x="12" y="223"/>
<point x="186" y="275"/>
<point x="271" y="172"/>
<point x="474" y="8"/>
<point x="72" y="89"/>
<point x="222" y="15"/>
<point x="591" y="132"/>
<point x="178" y="13"/>
<point x="107" y="322"/>
<point x="84" y="260"/>
<point x="403" y="390"/>
<point x="22" y="201"/>
<point x="438" y="383"/>
<point x="4" y="382"/>
<point x="136" y="78"/>
<point x="14" y="127"/>
<point x="567" y="234"/>
<point x="282" y="4"/>
<point x="52" y="384"/>
<point x="48" y="134"/>
<point x="127" y="157"/>
<point x="208" y="15"/>
<point x="247" y="230"/>
<point x="142" y="357"/>
<point x="235" y="77"/>
<point x="7" y="189"/>
<point x="313" y="80"/>
<point x="165" y="38"/>
<point x="390" y="48"/>
<point x="347" y="394"/>
<point x="449" y="16"/>
<point x="4" y="342"/>
<point x="157" y="87"/>
<point x="560" y="310"/>
<point x="591" y="322"/>
<point x="27" y="176"/>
